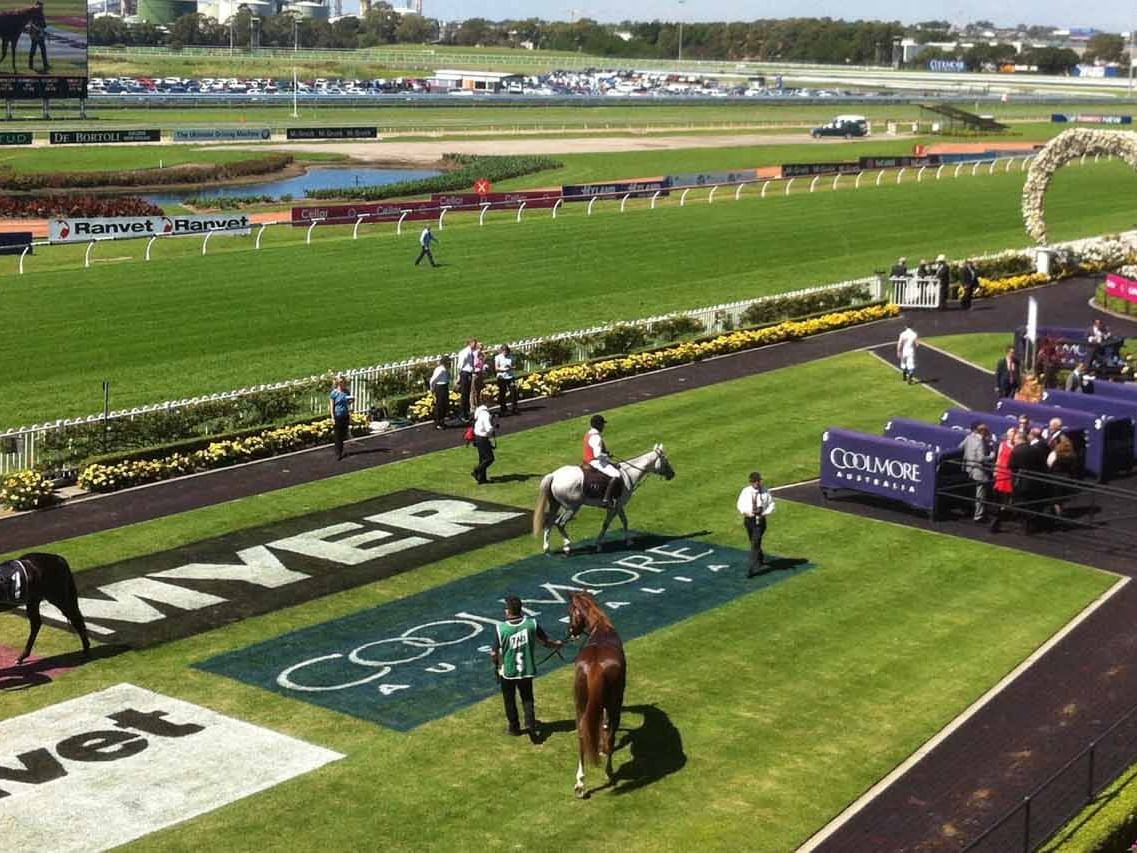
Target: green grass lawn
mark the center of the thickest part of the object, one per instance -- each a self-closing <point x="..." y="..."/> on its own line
<point x="184" y="324"/>
<point x="983" y="349"/>
<point x="815" y="688"/>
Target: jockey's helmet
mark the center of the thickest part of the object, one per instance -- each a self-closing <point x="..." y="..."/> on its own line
<point x="598" y="422"/>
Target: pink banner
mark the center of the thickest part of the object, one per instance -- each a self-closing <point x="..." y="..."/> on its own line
<point x="383" y="211"/>
<point x="1120" y="287"/>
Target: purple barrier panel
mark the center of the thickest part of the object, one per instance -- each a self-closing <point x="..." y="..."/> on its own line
<point x="880" y="466"/>
<point x="941" y="439"/>
<point x="961" y="419"/>
<point x="1117" y="390"/>
<point x="1117" y="409"/>
<point x="1098" y="461"/>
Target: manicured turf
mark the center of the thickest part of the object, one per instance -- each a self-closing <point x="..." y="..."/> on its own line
<point x="786" y="704"/>
<point x="983" y="349"/>
<point x="184" y="324"/>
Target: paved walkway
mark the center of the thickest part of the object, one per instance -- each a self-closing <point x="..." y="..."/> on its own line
<point x="1043" y="718"/>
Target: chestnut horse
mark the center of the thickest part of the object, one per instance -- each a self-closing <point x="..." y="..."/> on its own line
<point x="599" y="676"/>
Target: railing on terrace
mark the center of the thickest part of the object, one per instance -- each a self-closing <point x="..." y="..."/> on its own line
<point x="20" y="447"/>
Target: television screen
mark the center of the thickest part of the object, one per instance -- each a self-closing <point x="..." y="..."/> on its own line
<point x="43" y="49"/>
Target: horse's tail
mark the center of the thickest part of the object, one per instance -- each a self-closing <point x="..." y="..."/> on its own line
<point x="588" y="727"/>
<point x="544" y="496"/>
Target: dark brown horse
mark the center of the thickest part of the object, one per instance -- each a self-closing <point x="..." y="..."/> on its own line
<point x="598" y="683"/>
<point x="12" y="24"/>
<point x="37" y="577"/>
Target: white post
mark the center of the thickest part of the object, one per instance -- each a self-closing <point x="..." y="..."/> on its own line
<point x="560" y="201"/>
<point x="765" y="186"/>
<point x="880" y="175"/>
<point x="1025" y="161"/>
<point x="991" y="170"/>
<point x="958" y="166"/>
<point x="1097" y="156"/>
<point x="308" y="236"/>
<point x="87" y="254"/>
<point x="975" y="168"/>
<point x="442" y="215"/>
<point x="624" y="201"/>
<point x="789" y="184"/>
<point x="1082" y="162"/>
<point x="399" y="224"/>
<point x="1010" y="160"/>
<point x="261" y="233"/>
<point x="940" y="169"/>
<point x="355" y="230"/>
<point x="738" y="192"/>
<point x="482" y="215"/>
<point x="519" y="211"/>
<point x="205" y="242"/>
<point x="683" y="198"/>
<point x="920" y="174"/>
<point x="27" y="248"/>
<point x="150" y="243"/>
<point x="591" y="202"/>
<point x="857" y="183"/>
<point x="836" y="178"/>
<point x="711" y="195"/>
<point x="813" y="183"/>
<point x="900" y="175"/>
<point x="654" y="196"/>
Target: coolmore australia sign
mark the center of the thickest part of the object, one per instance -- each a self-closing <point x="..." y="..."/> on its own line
<point x="878" y="466"/>
<point x="410" y="661"/>
<point x="125" y="227"/>
<point x="175" y="594"/>
<point x="107" y="768"/>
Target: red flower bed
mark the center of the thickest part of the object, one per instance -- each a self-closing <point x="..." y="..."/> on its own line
<point x="44" y="207"/>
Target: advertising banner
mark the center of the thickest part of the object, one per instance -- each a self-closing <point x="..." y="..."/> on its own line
<point x="14" y="242"/>
<point x="221" y="134"/>
<point x="952" y="65"/>
<point x="643" y="188"/>
<point x="126" y="227"/>
<point x="1109" y="445"/>
<point x="798" y="170"/>
<point x="173" y="594"/>
<point x="331" y="133"/>
<point x="375" y="211"/>
<point x="19" y="137"/>
<point x="474" y="201"/>
<point x="903" y="162"/>
<point x="104" y="769"/>
<point x="46" y="49"/>
<point x="941" y="439"/>
<point x="408" y="661"/>
<point x="879" y="466"/>
<point x="1097" y="404"/>
<point x="1121" y="287"/>
<point x="102" y="137"/>
<point x="1083" y="118"/>
<point x="710" y="179"/>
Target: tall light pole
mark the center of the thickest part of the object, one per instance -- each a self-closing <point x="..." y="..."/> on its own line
<point x="1132" y="57"/>
<point x="681" y="2"/>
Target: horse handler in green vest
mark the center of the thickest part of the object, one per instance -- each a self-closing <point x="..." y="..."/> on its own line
<point x="516" y="666"/>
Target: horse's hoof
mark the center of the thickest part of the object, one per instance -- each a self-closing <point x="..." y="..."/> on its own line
<point x="581" y="794"/>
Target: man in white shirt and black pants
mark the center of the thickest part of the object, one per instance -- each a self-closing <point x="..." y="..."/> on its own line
<point x="755" y="503"/>
<point x="440" y="390"/>
<point x="465" y="368"/>
<point x="425" y="240"/>
<point x="483" y="440"/>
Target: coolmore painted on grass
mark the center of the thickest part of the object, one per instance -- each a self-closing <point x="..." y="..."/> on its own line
<point x="101" y="770"/>
<point x="178" y="593"/>
<point x="421" y="658"/>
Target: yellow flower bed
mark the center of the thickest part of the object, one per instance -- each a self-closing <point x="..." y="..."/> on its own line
<point x="25" y="490"/>
<point x="995" y="286"/>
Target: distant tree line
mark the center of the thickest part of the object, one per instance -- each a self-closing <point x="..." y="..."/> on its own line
<point x="821" y="40"/>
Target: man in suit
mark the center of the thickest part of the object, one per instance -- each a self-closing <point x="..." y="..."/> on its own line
<point x="978" y="459"/>
<point x="943" y="280"/>
<point x="1077" y="380"/>
<point x="1008" y="374"/>
<point x="969" y="283"/>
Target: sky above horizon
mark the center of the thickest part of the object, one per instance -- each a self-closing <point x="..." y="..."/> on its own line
<point x="1110" y="16"/>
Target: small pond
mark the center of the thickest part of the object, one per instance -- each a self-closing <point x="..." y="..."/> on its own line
<point x="320" y="177"/>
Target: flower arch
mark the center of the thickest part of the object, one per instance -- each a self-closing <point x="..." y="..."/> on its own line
<point x="1059" y="151"/>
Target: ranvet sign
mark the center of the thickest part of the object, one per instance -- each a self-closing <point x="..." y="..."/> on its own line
<point x="879" y="466"/>
<point x="124" y="227"/>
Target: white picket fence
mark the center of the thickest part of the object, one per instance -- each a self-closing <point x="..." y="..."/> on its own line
<point x="19" y="447"/>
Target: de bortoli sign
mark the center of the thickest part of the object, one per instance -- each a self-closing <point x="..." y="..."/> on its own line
<point x="175" y="594"/>
<point x="126" y="227"/>
<point x="107" y="768"/>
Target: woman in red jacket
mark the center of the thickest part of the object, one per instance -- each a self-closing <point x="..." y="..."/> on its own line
<point x="1004" y="479"/>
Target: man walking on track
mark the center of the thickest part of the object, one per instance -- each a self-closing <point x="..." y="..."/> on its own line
<point x="516" y="667"/>
<point x="755" y="503"/>
<point x="426" y="239"/>
<point x="906" y="353"/>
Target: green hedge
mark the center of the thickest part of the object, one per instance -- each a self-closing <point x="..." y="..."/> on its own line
<point x="1107" y="825"/>
<point x="464" y="169"/>
<point x="1114" y="303"/>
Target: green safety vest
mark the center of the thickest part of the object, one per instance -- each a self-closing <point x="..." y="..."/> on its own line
<point x="516" y="640"/>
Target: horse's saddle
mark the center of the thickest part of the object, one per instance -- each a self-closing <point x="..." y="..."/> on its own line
<point x="596" y="483"/>
<point x="13" y="582"/>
